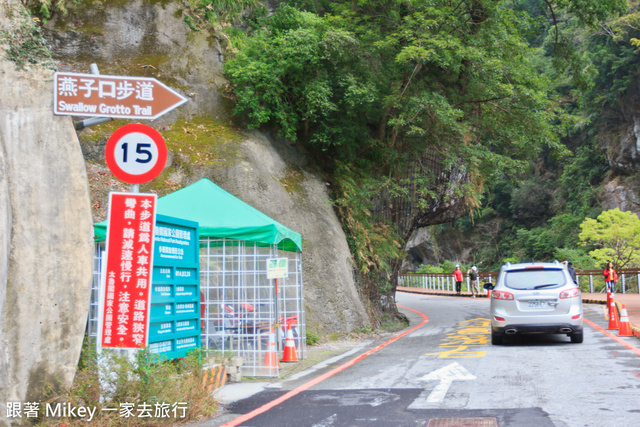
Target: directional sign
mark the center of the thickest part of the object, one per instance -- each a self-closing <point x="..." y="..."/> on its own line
<point x="136" y="153"/>
<point x="119" y="97"/>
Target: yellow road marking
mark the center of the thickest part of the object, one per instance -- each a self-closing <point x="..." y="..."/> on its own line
<point x="469" y="333"/>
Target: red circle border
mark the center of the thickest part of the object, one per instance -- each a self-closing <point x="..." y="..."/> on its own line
<point x="110" y="149"/>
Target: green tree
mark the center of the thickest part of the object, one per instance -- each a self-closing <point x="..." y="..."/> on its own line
<point x="422" y="101"/>
<point x="579" y="257"/>
<point x="616" y="235"/>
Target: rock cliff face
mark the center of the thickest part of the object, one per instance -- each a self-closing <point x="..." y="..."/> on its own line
<point x="621" y="142"/>
<point x="45" y="236"/>
<point x="150" y="39"/>
<point x="428" y="246"/>
<point x="622" y="195"/>
<point x="270" y="175"/>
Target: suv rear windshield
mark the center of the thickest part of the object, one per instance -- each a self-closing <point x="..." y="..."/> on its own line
<point x="534" y="279"/>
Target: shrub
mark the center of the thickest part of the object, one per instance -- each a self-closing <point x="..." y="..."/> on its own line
<point x="312" y="339"/>
<point x="136" y="390"/>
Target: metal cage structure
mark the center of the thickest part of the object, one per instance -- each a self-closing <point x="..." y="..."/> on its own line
<point x="243" y="313"/>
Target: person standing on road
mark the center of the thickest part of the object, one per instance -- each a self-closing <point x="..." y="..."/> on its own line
<point x="572" y="271"/>
<point x="457" y="275"/>
<point x="610" y="277"/>
<point x="473" y="280"/>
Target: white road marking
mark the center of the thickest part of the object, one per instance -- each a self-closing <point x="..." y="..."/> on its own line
<point x="446" y="375"/>
<point x="327" y="422"/>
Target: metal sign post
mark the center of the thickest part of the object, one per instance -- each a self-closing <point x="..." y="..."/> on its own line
<point x="277" y="268"/>
<point x="135" y="154"/>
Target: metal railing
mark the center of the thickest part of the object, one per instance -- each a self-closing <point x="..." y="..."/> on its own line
<point x="441" y="281"/>
<point x="591" y="281"/>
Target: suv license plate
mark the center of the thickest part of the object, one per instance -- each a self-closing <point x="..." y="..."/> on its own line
<point x="537" y="304"/>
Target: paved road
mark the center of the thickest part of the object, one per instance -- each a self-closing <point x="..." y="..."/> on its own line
<point x="445" y="372"/>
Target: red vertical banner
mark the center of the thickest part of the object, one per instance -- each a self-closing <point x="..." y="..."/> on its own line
<point x="129" y="266"/>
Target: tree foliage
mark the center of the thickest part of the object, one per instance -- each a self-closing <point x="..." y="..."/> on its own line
<point x="47" y="8"/>
<point x="372" y="86"/>
<point x="384" y="80"/>
<point x="593" y="69"/>
<point x="616" y="235"/>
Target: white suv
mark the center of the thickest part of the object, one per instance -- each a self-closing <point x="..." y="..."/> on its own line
<point x="535" y="298"/>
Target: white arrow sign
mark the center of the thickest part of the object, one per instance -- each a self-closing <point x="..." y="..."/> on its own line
<point x="446" y="376"/>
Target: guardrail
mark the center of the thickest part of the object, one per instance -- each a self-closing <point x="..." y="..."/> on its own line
<point x="591" y="281"/>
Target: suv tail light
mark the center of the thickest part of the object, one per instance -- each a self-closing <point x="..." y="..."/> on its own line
<point x="570" y="293"/>
<point x="501" y="295"/>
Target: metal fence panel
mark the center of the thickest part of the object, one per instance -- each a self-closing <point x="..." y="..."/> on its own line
<point x="591" y="281"/>
<point x="239" y="304"/>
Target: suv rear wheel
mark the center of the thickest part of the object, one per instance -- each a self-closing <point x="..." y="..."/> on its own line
<point x="496" y="338"/>
<point x="577" y="337"/>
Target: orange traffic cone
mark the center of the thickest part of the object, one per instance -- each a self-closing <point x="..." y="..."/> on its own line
<point x="289" y="354"/>
<point x="608" y="308"/>
<point x="625" y="325"/>
<point x="613" y="316"/>
<point x="271" y="358"/>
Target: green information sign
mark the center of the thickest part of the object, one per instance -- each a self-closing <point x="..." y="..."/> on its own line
<point x="277" y="268"/>
<point x="174" y="328"/>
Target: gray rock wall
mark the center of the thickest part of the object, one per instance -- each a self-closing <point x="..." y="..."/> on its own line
<point x="141" y="38"/>
<point x="618" y="194"/>
<point x="45" y="238"/>
<point x="621" y="141"/>
<point x="271" y="177"/>
<point x="432" y="246"/>
<point x="619" y="135"/>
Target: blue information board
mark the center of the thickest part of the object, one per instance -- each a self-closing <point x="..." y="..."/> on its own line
<point x="174" y="327"/>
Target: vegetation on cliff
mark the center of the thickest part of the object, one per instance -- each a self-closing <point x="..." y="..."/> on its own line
<point x="537" y="214"/>
<point x="388" y="95"/>
<point x="24" y="44"/>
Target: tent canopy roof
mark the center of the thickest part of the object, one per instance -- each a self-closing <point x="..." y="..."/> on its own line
<point x="220" y="214"/>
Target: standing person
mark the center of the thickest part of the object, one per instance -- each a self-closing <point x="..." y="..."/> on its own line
<point x="457" y="275"/>
<point x="572" y="271"/>
<point x="473" y="280"/>
<point x="610" y="277"/>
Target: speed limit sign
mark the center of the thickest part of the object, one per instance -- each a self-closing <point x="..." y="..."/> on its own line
<point x="136" y="153"/>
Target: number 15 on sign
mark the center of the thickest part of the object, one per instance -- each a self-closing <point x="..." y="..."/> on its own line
<point x="136" y="153"/>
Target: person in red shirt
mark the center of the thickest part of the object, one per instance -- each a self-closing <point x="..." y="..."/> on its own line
<point x="610" y="277"/>
<point x="457" y="274"/>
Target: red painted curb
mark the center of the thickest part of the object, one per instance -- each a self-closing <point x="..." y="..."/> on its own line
<point x="323" y="377"/>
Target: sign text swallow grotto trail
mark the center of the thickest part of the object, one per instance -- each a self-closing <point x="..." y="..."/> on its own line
<point x="121" y="97"/>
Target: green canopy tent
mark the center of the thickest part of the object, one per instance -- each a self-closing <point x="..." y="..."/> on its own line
<point x="222" y="215"/>
<point x="236" y="240"/>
